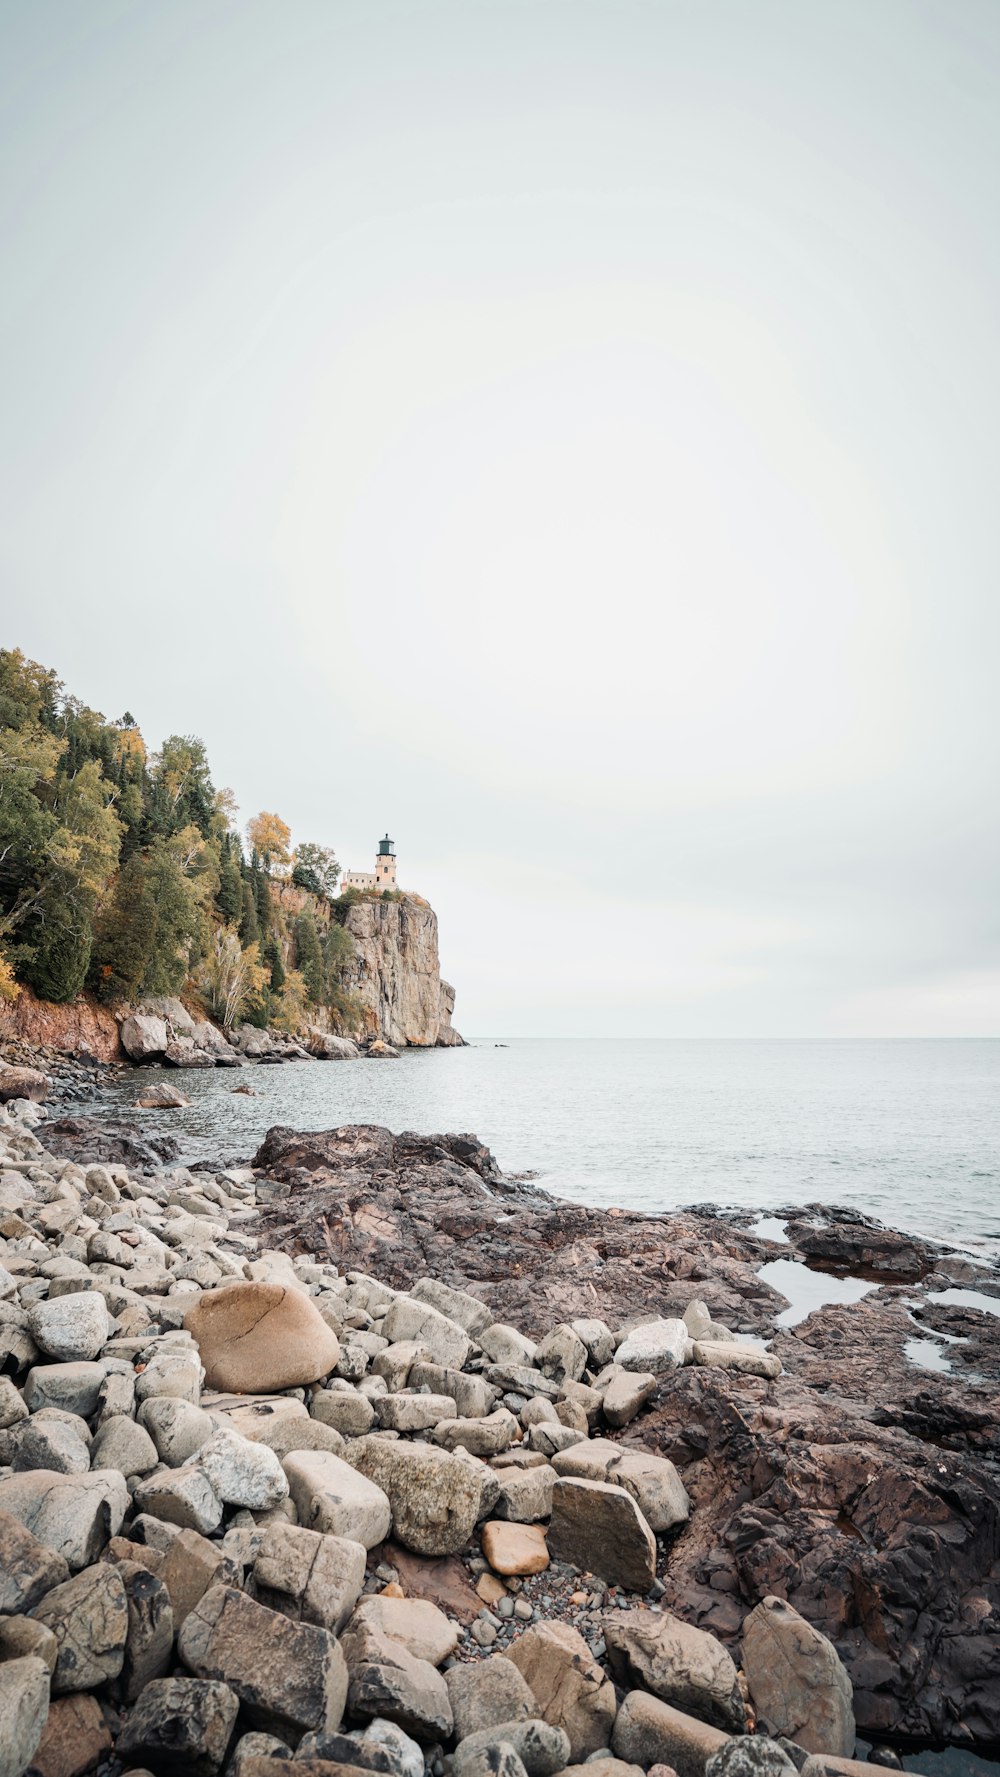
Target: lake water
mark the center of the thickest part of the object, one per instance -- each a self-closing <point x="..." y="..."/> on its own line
<point x="906" y="1131"/>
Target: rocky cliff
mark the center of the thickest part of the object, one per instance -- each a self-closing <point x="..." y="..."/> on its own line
<point x="396" y="974"/>
<point x="80" y="1028"/>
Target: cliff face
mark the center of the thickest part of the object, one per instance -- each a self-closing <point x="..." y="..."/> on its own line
<point x="397" y="974"/>
<point x="79" y="1028"/>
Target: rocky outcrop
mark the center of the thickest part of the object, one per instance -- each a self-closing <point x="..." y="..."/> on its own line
<point x="396" y="974"/>
<point x="80" y="1028"/>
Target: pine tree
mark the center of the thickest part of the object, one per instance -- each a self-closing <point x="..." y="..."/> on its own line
<point x="249" y="928"/>
<point x="229" y="899"/>
<point x="125" y="937"/>
<point x="309" y="958"/>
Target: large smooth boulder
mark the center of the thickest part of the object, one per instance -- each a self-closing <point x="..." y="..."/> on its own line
<point x="287" y="1675"/>
<point x="158" y="1096"/>
<point x="568" y="1685"/>
<point x="144" y="1036"/>
<point x="600" y="1528"/>
<point x="72" y="1328"/>
<point x="261" y="1337"/>
<point x="652" y="1480"/>
<point x="435" y="1497"/>
<point x="682" y="1665"/>
<point x="332" y="1495"/>
<point x="797" y="1680"/>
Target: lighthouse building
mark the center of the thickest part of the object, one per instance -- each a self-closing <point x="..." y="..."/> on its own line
<point x="382" y="877"/>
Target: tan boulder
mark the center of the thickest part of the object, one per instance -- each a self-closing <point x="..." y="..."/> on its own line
<point x="261" y="1337"/>
<point x="797" y="1680"/>
<point x="655" y="1651"/>
<point x="568" y="1685"/>
<point x="515" y="1548"/>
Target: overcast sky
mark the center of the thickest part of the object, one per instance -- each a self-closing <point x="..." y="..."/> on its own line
<point x="563" y="433"/>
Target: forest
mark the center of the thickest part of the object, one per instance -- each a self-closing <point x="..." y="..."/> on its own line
<point x="122" y="872"/>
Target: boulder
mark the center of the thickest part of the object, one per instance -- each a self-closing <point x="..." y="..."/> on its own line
<point x="456" y="1305"/>
<point x="74" y="1388"/>
<point x="309" y="1576"/>
<point x="28" y="1567"/>
<point x="657" y="1345"/>
<point x="181" y="1496"/>
<point x="88" y="1615"/>
<point x="150" y="1638"/>
<point x="444" y="1340"/>
<point x="178" y="1428"/>
<point x="626" y="1392"/>
<point x="414" y="1412"/>
<point x="653" y="1481"/>
<point x="752" y="1755"/>
<point x="180" y="1726"/>
<point x="51" y="1444"/>
<point x="512" y="1548"/>
<point x="23" y="1082"/>
<point x="24" y="1705"/>
<point x="243" y="1473"/>
<point x="288" y="1676"/>
<point x="332" y="1495"/>
<point x="434" y="1496"/>
<point x="144" y="1037"/>
<point x="71" y="1328"/>
<point x="525" y="1495"/>
<point x="562" y="1355"/>
<point x="569" y="1687"/>
<point x="75" y="1738"/>
<point x="746" y="1360"/>
<point x="484" y="1693"/>
<point x="158" y="1096"/>
<point x="797" y="1680"/>
<point x="123" y="1445"/>
<point x="417" y="1624"/>
<point x="600" y="1529"/>
<point x="193" y="1564"/>
<point x="261" y="1337"/>
<point x="493" y="1757"/>
<point x="657" y="1652"/>
<point x="389" y="1682"/>
<point x="72" y="1514"/>
<point x="472" y="1395"/>
<point x="348" y="1413"/>
<point x="648" y="1732"/>
<point x="541" y="1749"/>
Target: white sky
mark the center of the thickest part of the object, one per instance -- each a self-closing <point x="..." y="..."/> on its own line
<point x="561" y="432"/>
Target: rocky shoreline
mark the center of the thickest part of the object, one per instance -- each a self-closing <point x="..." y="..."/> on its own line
<point x="366" y="1456"/>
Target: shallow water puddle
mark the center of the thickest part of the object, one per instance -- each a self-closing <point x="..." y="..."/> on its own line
<point x="769" y="1228"/>
<point x="927" y="1354"/>
<point x="808" y="1290"/>
<point x="958" y="1298"/>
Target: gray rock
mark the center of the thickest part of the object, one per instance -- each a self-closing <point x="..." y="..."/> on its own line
<point x="177" y="1428"/>
<point x="626" y="1393"/>
<point x="752" y="1755"/>
<point x="473" y="1397"/>
<point x="387" y="1737"/>
<point x="444" y="1340"/>
<point x="542" y="1749"/>
<point x="652" y="1481"/>
<point x="387" y="1681"/>
<point x="181" y="1496"/>
<point x="648" y="1732"/>
<point x="655" y="1651"/>
<point x="309" y="1576"/>
<point x="287" y="1675"/>
<point x="524" y="1495"/>
<point x="123" y="1445"/>
<point x="348" y="1413"/>
<point x="28" y="1568"/>
<point x="53" y="1445"/>
<point x="24" y="1707"/>
<point x="454" y="1304"/>
<point x="658" y="1345"/>
<point x="243" y="1473"/>
<point x="253" y="1746"/>
<point x="746" y="1360"/>
<point x="484" y="1693"/>
<point x="600" y="1528"/>
<point x="73" y="1514"/>
<point x="88" y="1615"/>
<point x="487" y="1758"/>
<point x="562" y="1355"/>
<point x="150" y="1638"/>
<point x="434" y="1495"/>
<point x="331" y="1495"/>
<point x="70" y="1328"/>
<point x="569" y="1686"/>
<point x="180" y="1726"/>
<point x="414" y="1412"/>
<point x="481" y="1437"/>
<point x="75" y="1387"/>
<point x="599" y="1340"/>
<point x="144" y="1037"/>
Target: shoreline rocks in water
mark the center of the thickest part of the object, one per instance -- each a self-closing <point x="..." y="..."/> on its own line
<point x="369" y="1454"/>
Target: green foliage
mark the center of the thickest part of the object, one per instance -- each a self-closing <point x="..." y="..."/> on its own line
<point x="125" y="935"/>
<point x="229" y="898"/>
<point x="249" y="927"/>
<point x="59" y="956"/>
<point x="315" y="868"/>
<point x="309" y="958"/>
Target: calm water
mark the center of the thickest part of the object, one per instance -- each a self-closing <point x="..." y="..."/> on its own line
<point x="907" y="1131"/>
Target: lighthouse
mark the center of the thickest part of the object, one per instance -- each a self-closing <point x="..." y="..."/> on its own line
<point x="385" y="864"/>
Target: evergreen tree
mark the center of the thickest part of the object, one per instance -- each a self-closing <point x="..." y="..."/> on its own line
<point x="309" y="958"/>
<point x="229" y="898"/>
<point x="275" y="961"/>
<point x="125" y="937"/>
<point x="56" y="963"/>
<point x="249" y="928"/>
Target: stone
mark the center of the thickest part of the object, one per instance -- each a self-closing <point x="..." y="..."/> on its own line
<point x="525" y="1495"/>
<point x="287" y="1675"/>
<point x="23" y="1082"/>
<point x="161" y="1097"/>
<point x="332" y="1495"/>
<point x="484" y="1693"/>
<point x="387" y="1738"/>
<point x="512" y="1548"/>
<point x="570" y="1690"/>
<point x="88" y="1615"/>
<point x="596" y="1766"/>
<point x="24" y="1705"/>
<point x="599" y="1340"/>
<point x="444" y="1340"/>
<point x="257" y="1752"/>
<point x="387" y="1681"/>
<point x="123" y="1445"/>
<point x="311" y="1577"/>
<point x="28" y="1567"/>
<point x="648" y="1732"/>
<point x="657" y="1345"/>
<point x="655" y="1651"/>
<point x="481" y="1437"/>
<point x="150" y="1638"/>
<point x="181" y="1496"/>
<point x="551" y="1439"/>
<point x="288" y="1433"/>
<point x="348" y="1413"/>
<point x="192" y="1564"/>
<point x="456" y="1305"/>
<point x="414" y="1412"/>
<point x="472" y="1395"/>
<point x="243" y="1473"/>
<point x="75" y="1738"/>
<point x="494" y="1757"/>
<point x="261" y="1337"/>
<point x="144" y="1037"/>
<point x="434" y="1496"/>
<point x="72" y="1514"/>
<point x="71" y="1328"/>
<point x="21" y="1635"/>
<point x="746" y="1360"/>
<point x="180" y="1726"/>
<point x="414" y="1622"/>
<point x="627" y="1392"/>
<point x="752" y="1755"/>
<point x="652" y="1481"/>
<point x="541" y="1749"/>
<point x="178" y="1428"/>
<point x="600" y="1529"/>
<point x="75" y="1388"/>
<point x="51" y="1444"/>
<point x="797" y="1680"/>
<point x="506" y="1345"/>
<point x="175" y="1374"/>
<point x="562" y="1355"/>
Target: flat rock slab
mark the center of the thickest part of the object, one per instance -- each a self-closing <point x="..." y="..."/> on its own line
<point x="600" y="1529"/>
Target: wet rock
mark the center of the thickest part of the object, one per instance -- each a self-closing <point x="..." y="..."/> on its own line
<point x="180" y="1726"/>
<point x="261" y="1337"/>
<point x="681" y="1665"/>
<point x="434" y="1496"/>
<point x="569" y="1687"/>
<point x="287" y="1675"/>
<point x="862" y="1247"/>
<point x="797" y="1681"/>
<point x="332" y="1495"/>
<point x="161" y="1097"/>
<point x="650" y="1733"/>
<point x="88" y="1615"/>
<point x="24" y="1704"/>
<point x="601" y="1529"/>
